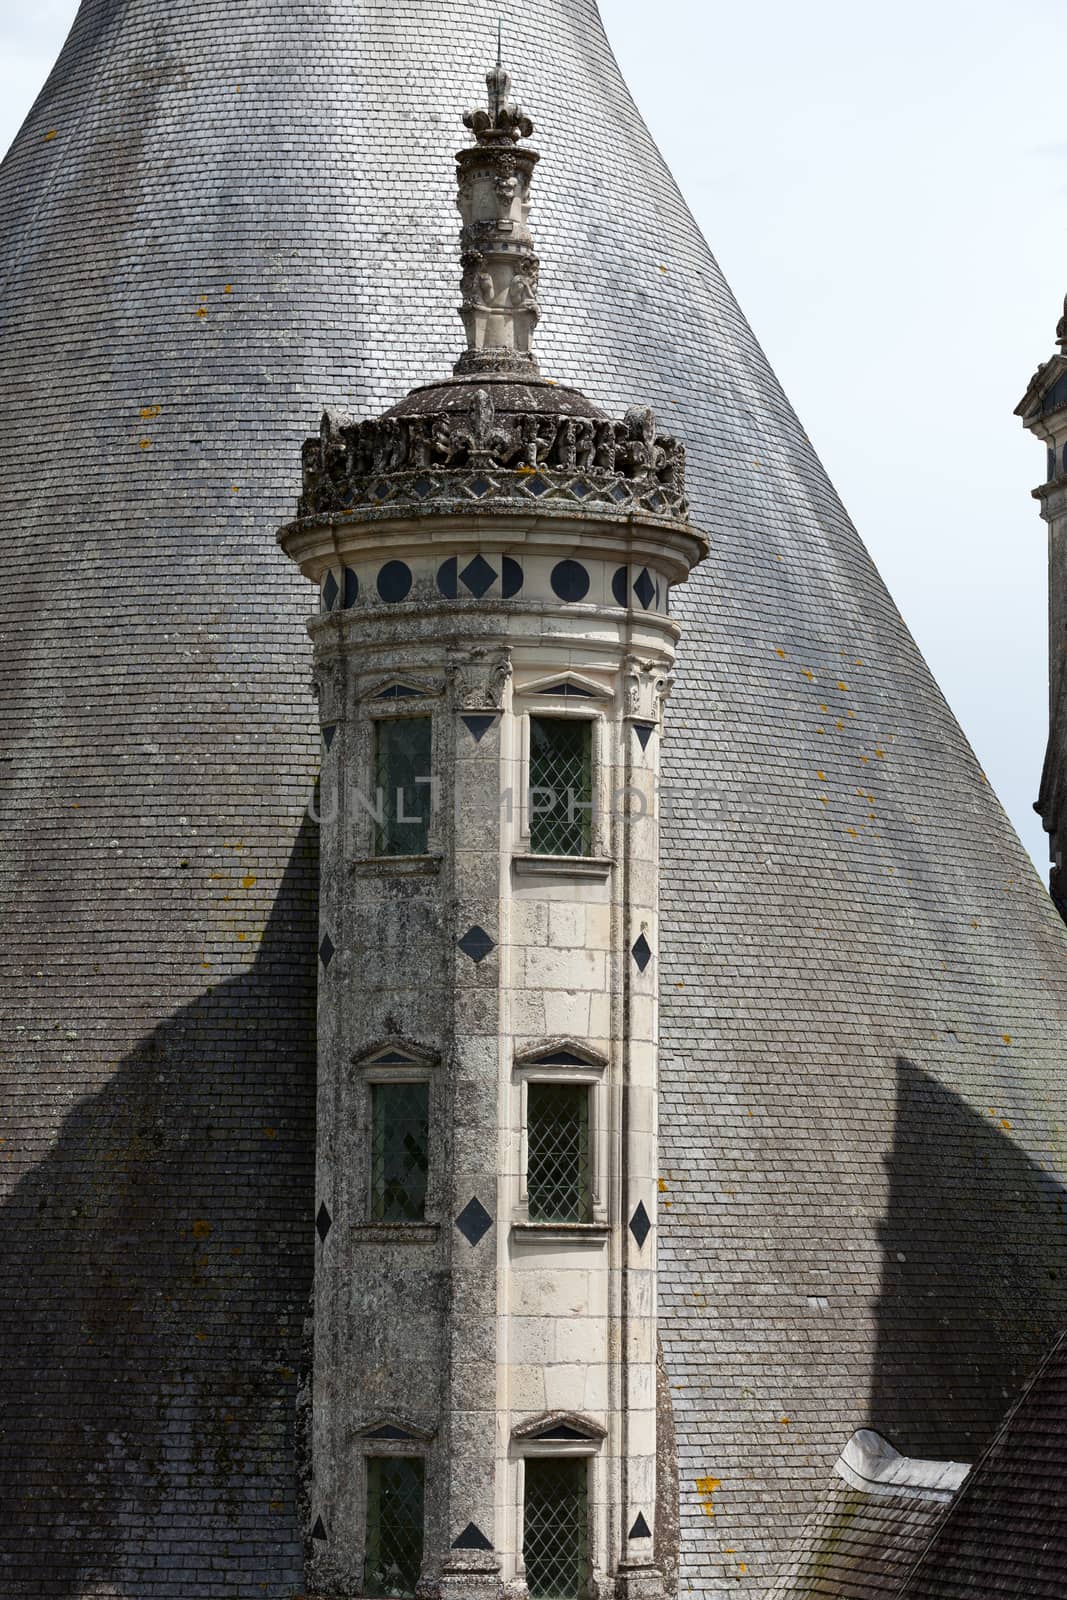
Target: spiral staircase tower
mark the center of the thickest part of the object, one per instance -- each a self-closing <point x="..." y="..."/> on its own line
<point x="217" y="221"/>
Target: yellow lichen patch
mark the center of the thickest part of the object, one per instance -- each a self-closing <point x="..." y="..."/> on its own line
<point x="865" y="759"/>
<point x="50" y="135"/>
<point x="201" y="1229"/>
<point x="853" y="832"/>
<point x="236" y="489"/>
<point x="880" y="754"/>
<point x="820" y="730"/>
<point x="227" y="288"/>
<point x="200" y="1336"/>
<point x="706" y="1488"/>
<point x="277" y="1505"/>
<point x="201" y="311"/>
<point x="148" y="413"/>
<point x="661" y="1185"/>
<point x="662" y="268"/>
<point x="843" y="687"/>
<point x="1006" y="1037"/>
<point x="823" y="801"/>
<point x="146" y="444"/>
<point x="859" y="661"/>
<point x="1005" y="1124"/>
<point x="241" y="937"/>
<point x="840" y="726"/>
<point x="780" y="653"/>
<point x="249" y="881"/>
<point x="270" y="1133"/>
<point x="784" y="1421"/>
<point x="820" y="775"/>
<point x="824" y="708"/>
<point x="809" y="675"/>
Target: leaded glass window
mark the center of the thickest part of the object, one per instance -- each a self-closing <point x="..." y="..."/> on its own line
<point x="400" y="1118"/>
<point x="557" y="1176"/>
<point x="556" y="1528"/>
<point x="394" y="1526"/>
<point x="561" y="786"/>
<point x="403" y="753"/>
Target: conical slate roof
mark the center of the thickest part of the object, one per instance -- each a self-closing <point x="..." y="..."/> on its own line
<point x="216" y="220"/>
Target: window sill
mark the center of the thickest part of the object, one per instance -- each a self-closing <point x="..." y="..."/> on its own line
<point x="597" y="868"/>
<point x="395" y="866"/>
<point x="396" y="1232"/>
<point x="558" y="1232"/>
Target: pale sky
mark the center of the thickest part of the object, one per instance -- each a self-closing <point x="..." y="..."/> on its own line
<point x="885" y="189"/>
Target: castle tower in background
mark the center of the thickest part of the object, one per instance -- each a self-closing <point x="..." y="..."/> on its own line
<point x="495" y="557"/>
<point x="216" y="222"/>
<point x="1043" y="410"/>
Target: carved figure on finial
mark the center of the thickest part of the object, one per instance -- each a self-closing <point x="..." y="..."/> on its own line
<point x="1061" y="328"/>
<point x="505" y="121"/>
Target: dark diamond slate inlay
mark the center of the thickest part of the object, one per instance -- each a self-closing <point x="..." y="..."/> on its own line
<point x="618" y="585"/>
<point x="323" y="1222"/>
<point x="478" y="576"/>
<point x="570" y="581"/>
<point x="330" y="591"/>
<point x="476" y="944"/>
<point x="640" y="1226"/>
<point x="351" y="591"/>
<point x="642" y="953"/>
<point x="644" y="731"/>
<point x="448" y="579"/>
<point x="510" y="578"/>
<point x="394" y="582"/>
<point x="318" y="1531"/>
<point x="328" y="735"/>
<point x="644" y="588"/>
<point x="326" y="950"/>
<point x="640" y="1529"/>
<point x="478" y="726"/>
<point x="474" y="1221"/>
<point x="472" y="1538"/>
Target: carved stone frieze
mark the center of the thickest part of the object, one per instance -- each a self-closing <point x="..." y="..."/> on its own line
<point x="428" y="458"/>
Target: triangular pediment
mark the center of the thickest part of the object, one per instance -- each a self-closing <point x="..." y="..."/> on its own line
<point x="400" y="689"/>
<point x="568" y="685"/>
<point x="561" y="1052"/>
<point x="395" y="1053"/>
<point x="394" y="1428"/>
<point x="566" y="1427"/>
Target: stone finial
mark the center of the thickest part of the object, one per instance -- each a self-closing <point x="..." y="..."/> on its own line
<point x="1061" y="329"/>
<point x="500" y="270"/>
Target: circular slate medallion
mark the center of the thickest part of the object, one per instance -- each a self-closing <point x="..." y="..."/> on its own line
<point x="394" y="582"/>
<point x="570" y="581"/>
<point x="619" y="586"/>
<point x="510" y="578"/>
<point x="350" y="592"/>
<point x="447" y="579"/>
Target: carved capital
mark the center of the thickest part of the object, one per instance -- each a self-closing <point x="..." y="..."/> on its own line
<point x="480" y="678"/>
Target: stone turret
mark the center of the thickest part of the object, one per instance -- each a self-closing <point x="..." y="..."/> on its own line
<point x="1043" y="410"/>
<point x="494" y="647"/>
